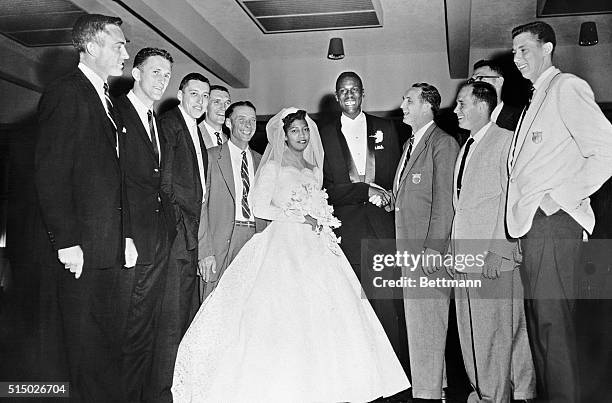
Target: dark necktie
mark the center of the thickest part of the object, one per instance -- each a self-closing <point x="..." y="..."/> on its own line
<point x="410" y="143"/>
<point x="462" y="166"/>
<point x="244" y="173"/>
<point x="150" y="117"/>
<point x="518" y="129"/>
<point x="219" y="141"/>
<point x="111" y="110"/>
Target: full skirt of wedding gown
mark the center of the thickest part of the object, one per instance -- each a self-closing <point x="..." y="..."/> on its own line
<point x="286" y="323"/>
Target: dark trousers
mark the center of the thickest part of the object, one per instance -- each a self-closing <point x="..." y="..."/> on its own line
<point x="551" y="253"/>
<point x="144" y="288"/>
<point x="179" y="305"/>
<point x="91" y="312"/>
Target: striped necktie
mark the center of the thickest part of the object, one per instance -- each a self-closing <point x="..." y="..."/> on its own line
<point x="150" y="117"/>
<point x="219" y="141"/>
<point x="111" y="113"/>
<point x="244" y="173"/>
<point x="410" y="144"/>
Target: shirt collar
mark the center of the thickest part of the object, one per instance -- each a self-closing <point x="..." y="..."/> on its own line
<point x="346" y="120"/>
<point x="234" y="149"/>
<point x="191" y="122"/>
<point x="547" y="73"/>
<point x="141" y="108"/>
<point x="497" y="111"/>
<point x="419" y="133"/>
<point x="480" y="133"/>
<point x="211" y="130"/>
<point x="92" y="76"/>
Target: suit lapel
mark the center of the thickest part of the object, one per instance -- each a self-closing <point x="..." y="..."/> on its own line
<point x="206" y="136"/>
<point x="348" y="158"/>
<point x="186" y="134"/>
<point x="142" y="132"/>
<point x="530" y="115"/>
<point x="420" y="147"/>
<point x="225" y="167"/>
<point x="110" y="132"/>
<point x="370" y="171"/>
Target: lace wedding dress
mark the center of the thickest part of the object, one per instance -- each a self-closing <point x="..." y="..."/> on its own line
<point x="287" y="322"/>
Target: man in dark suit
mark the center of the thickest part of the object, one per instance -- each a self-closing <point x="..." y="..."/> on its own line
<point x="361" y="154"/>
<point x="506" y="116"/>
<point x="150" y="214"/>
<point x="183" y="180"/>
<point x="212" y="125"/>
<point x="225" y="225"/>
<point x="80" y="191"/>
<point x="422" y="200"/>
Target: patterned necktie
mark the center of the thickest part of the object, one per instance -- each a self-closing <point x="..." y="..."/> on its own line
<point x="410" y="143"/>
<point x="462" y="166"/>
<point x="150" y="116"/>
<point x="219" y="141"/>
<point x="111" y="111"/>
<point x="244" y="173"/>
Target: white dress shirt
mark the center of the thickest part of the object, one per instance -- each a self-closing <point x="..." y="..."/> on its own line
<point x="355" y="132"/>
<point x="417" y="137"/>
<point x="477" y="138"/>
<point x="142" y="110"/>
<point x="192" y="125"/>
<point x="236" y="158"/>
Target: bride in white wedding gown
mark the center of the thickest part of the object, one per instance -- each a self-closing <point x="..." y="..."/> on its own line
<point x="287" y="322"/>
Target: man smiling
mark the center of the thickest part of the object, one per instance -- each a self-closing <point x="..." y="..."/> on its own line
<point x="561" y="153"/>
<point x="212" y="125"/>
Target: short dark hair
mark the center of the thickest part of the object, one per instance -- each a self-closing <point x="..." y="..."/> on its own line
<point x="349" y="74"/>
<point x="483" y="92"/>
<point x="192" y="76"/>
<point x="87" y="28"/>
<point x="300" y="114"/>
<point x="491" y="64"/>
<point x="429" y="94"/>
<point x="541" y="30"/>
<point x="218" y="88"/>
<point x="144" y="53"/>
<point x="230" y="109"/>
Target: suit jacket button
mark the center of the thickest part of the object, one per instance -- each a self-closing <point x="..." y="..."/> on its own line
<point x="155" y="169"/>
<point x="157" y="210"/>
<point x="397" y="209"/>
<point x="511" y="180"/>
<point x="158" y="199"/>
<point x="119" y="208"/>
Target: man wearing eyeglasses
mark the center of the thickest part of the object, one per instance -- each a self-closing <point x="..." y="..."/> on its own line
<point x="504" y="115"/>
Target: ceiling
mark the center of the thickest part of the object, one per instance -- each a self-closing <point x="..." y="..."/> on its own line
<point x="222" y="37"/>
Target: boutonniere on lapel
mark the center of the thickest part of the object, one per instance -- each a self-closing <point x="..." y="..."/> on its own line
<point x="123" y="130"/>
<point x="378" y="139"/>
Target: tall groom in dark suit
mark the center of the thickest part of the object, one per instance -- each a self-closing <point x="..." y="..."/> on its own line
<point x="183" y="180"/>
<point x="80" y="191"/>
<point x="361" y="154"/>
<point x="150" y="213"/>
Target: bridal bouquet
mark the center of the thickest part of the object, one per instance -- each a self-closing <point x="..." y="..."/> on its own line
<point x="308" y="199"/>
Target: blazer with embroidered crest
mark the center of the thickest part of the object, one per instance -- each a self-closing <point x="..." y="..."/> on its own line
<point x="563" y="148"/>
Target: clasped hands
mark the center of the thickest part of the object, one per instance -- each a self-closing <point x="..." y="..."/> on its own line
<point x="379" y="196"/>
<point x="72" y="257"/>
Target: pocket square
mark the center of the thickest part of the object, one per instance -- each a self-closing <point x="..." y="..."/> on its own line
<point x="380" y="147"/>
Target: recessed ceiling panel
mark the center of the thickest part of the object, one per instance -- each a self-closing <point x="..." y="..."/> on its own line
<point x="39" y="22"/>
<point x="555" y="8"/>
<point x="276" y="16"/>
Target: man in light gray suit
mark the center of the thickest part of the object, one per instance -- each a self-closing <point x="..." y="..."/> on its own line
<point x="422" y="197"/>
<point x="212" y="125"/>
<point x="227" y="221"/>
<point x="490" y="318"/>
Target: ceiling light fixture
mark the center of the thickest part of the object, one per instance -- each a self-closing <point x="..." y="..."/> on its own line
<point x="336" y="49"/>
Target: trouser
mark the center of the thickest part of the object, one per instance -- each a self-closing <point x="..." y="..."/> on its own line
<point x="144" y="292"/>
<point x="551" y="253"/>
<point x="240" y="235"/>
<point x="91" y="313"/>
<point x="427" y="325"/>
<point x="179" y="306"/>
<point x="501" y="346"/>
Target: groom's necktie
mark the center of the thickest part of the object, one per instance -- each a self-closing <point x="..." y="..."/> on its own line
<point x="150" y="116"/>
<point x="111" y="113"/>
<point x="244" y="174"/>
